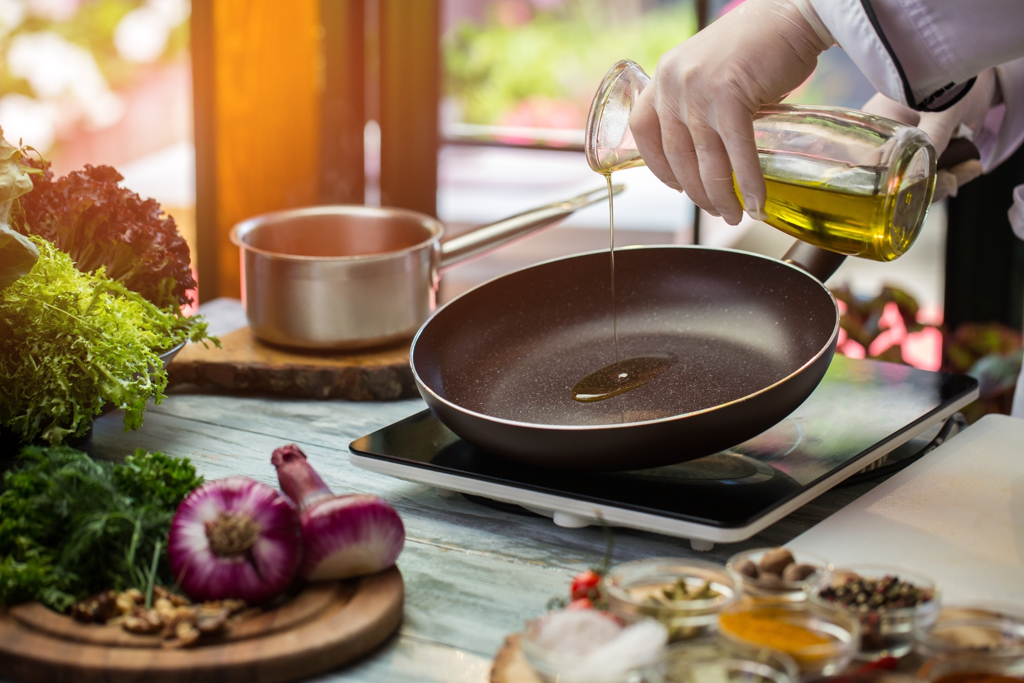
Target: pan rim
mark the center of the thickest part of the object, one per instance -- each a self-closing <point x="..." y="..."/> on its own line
<point x="619" y="425"/>
<point x="240" y="229"/>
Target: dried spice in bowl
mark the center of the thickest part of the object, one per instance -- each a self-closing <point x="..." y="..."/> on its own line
<point x="772" y="632"/>
<point x="977" y="677"/>
<point x="776" y="574"/>
<point x="968" y="670"/>
<point x="888" y="592"/>
<point x="685" y="595"/>
<point x="889" y="603"/>
<point x="822" y="639"/>
<point x="671" y="594"/>
<point x="588" y="646"/>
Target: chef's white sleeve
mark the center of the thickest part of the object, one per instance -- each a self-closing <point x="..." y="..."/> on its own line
<point x="925" y="53"/>
<point x="1003" y="131"/>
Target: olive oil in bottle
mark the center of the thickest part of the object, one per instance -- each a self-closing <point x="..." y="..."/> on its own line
<point x="840" y="179"/>
<point x="845" y="210"/>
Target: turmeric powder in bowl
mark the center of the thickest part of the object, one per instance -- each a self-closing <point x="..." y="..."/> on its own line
<point x="822" y="641"/>
<point x="771" y="632"/>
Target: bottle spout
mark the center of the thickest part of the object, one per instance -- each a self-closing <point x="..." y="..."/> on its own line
<point x="609" y="143"/>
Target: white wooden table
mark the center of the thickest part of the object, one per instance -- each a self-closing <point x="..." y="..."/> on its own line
<point x="472" y="573"/>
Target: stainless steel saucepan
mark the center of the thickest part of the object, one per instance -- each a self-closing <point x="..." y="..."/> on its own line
<point x="351" y="277"/>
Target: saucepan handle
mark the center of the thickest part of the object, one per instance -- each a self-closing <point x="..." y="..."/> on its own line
<point x="487" y="238"/>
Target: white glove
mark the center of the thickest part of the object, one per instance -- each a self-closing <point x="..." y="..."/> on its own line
<point x="963" y="119"/>
<point x="693" y="124"/>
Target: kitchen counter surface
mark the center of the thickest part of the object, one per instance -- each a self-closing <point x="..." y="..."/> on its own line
<point x="472" y="574"/>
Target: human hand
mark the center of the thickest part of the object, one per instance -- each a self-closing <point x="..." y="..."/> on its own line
<point x="963" y="119"/>
<point x="693" y="124"/>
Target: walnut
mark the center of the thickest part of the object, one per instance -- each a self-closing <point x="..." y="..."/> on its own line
<point x="125" y="603"/>
<point x="185" y="634"/>
<point x="143" y="621"/>
<point x="163" y="606"/>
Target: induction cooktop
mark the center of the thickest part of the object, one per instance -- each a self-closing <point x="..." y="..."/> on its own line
<point x="862" y="411"/>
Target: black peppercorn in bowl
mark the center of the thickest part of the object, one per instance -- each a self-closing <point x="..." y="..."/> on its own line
<point x="889" y="602"/>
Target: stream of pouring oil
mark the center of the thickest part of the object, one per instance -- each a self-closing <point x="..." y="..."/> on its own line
<point x="624" y="374"/>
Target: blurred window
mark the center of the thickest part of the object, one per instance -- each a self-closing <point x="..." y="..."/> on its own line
<point x="521" y="74"/>
<point x="104" y="82"/>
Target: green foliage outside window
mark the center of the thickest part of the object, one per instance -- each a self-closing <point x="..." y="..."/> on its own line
<point x="559" y="55"/>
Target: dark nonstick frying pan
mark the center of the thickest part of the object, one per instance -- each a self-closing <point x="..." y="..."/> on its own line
<point x="750" y="337"/>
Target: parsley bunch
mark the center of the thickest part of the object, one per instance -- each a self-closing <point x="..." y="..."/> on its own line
<point x="73" y="342"/>
<point x="71" y="526"/>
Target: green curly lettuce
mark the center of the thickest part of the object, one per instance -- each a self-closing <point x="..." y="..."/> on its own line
<point x="72" y="343"/>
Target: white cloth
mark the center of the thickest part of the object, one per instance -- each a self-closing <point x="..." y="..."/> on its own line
<point x="925" y="53"/>
<point x="1017" y="212"/>
<point x="1017" y="409"/>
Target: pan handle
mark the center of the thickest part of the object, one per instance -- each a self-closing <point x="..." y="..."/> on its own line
<point x="487" y="238"/>
<point x="820" y="263"/>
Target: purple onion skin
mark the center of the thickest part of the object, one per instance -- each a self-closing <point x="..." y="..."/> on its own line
<point x="350" y="536"/>
<point x="344" y="536"/>
<point x="258" y="575"/>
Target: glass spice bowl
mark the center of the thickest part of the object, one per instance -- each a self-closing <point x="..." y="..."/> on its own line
<point x="781" y="626"/>
<point x="964" y="670"/>
<point x="866" y="677"/>
<point x="978" y="637"/>
<point x="715" y="658"/>
<point x="599" y="648"/>
<point x="888" y="631"/>
<point x="645" y="588"/>
<point x="772" y="590"/>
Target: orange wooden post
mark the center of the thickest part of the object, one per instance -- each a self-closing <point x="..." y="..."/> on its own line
<point x="409" y="96"/>
<point x="258" y="76"/>
<point x="343" y="104"/>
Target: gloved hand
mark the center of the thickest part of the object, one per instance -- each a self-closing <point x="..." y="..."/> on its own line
<point x="963" y="119"/>
<point x="693" y="124"/>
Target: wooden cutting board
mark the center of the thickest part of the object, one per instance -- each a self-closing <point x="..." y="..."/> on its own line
<point x="510" y="665"/>
<point x="323" y="628"/>
<point x="244" y="363"/>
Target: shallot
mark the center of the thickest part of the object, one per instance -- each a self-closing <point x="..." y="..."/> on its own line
<point x="235" y="538"/>
<point x="343" y="536"/>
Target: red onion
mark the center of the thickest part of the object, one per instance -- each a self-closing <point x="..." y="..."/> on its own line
<point x="235" y="538"/>
<point x="344" y="536"/>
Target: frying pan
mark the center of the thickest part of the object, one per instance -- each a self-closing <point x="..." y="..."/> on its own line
<point x="750" y="337"/>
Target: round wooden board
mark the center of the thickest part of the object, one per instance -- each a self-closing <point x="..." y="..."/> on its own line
<point x="333" y="625"/>
<point x="510" y="665"/>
